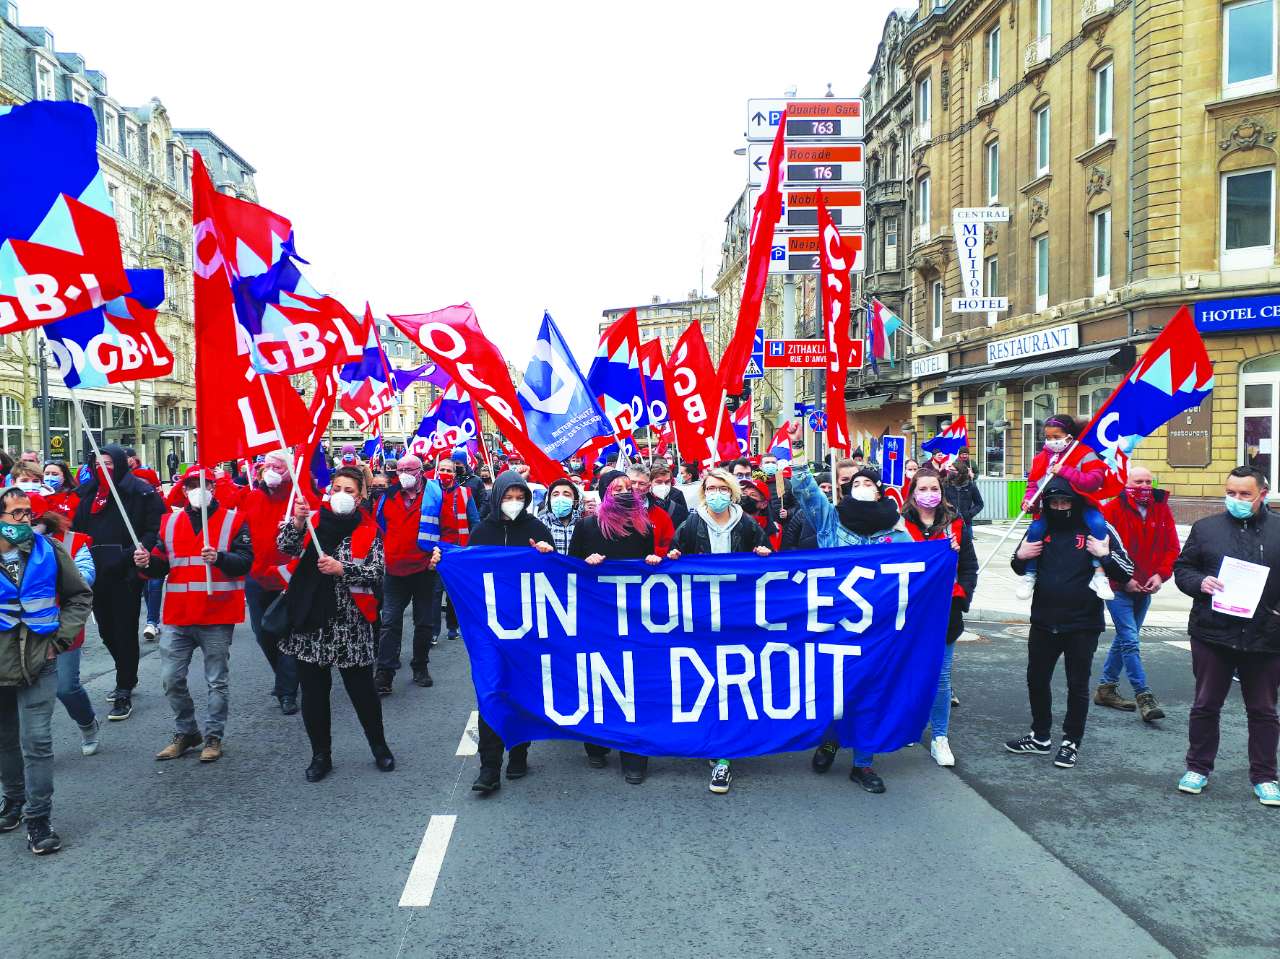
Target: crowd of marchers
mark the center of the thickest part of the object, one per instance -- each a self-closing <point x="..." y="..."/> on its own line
<point x="327" y="577"/>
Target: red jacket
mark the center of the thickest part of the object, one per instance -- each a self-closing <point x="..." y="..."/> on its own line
<point x="663" y="531"/>
<point x="1084" y="482"/>
<point x="264" y="512"/>
<point x="400" y="549"/>
<point x="63" y="501"/>
<point x="1151" y="543"/>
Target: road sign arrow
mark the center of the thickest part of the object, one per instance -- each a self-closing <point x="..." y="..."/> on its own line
<point x="759" y="163"/>
<point x="758" y="117"/>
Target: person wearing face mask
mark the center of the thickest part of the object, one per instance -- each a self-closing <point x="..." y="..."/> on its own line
<point x="963" y="493"/>
<point x="451" y="510"/>
<point x="1066" y="616"/>
<point x="408" y="578"/>
<point x="641" y="486"/>
<point x="1222" y="644"/>
<point x="332" y="612"/>
<point x="29" y="478"/>
<point x="622" y="528"/>
<point x="265" y="508"/>
<point x="198" y="615"/>
<point x="927" y="516"/>
<point x="1060" y="432"/>
<point x="662" y="493"/>
<point x="560" y="512"/>
<point x="117" y="591"/>
<point x="909" y="470"/>
<point x="463" y="476"/>
<point x="510" y="523"/>
<point x="44" y="604"/>
<point x="1141" y="515"/>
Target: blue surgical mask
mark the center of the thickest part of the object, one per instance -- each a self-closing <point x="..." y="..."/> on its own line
<point x="770" y="469"/>
<point x="561" y="506"/>
<point x="1239" y="508"/>
<point x="53" y="482"/>
<point x="718" y="501"/>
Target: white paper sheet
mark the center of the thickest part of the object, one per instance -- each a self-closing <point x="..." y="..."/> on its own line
<point x="1244" y="583"/>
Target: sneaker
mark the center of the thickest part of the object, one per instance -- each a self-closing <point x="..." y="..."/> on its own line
<point x="10" y="814"/>
<point x="288" y="705"/>
<point x="721" y="777"/>
<point x="42" y="840"/>
<point x="382" y="682"/>
<point x="422" y="677"/>
<point x="1026" y="586"/>
<point x="113" y="695"/>
<point x="89" y="738"/>
<point x="1268" y="793"/>
<point x="453" y="634"/>
<point x="212" y="751"/>
<point x="1192" y="783"/>
<point x="823" y="757"/>
<point x="1108" y="694"/>
<point x="150" y="632"/>
<point x="1101" y="585"/>
<point x="955" y="701"/>
<point x="1030" y="746"/>
<point x="867" y="778"/>
<point x="1066" y="758"/>
<point x="122" y="709"/>
<point x="940" y="750"/>
<point x="1149" y="708"/>
<point x="179" y="745"/>
<point x="435" y="640"/>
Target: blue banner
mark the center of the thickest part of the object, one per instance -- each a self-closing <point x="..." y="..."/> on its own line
<point x="1239" y="313"/>
<point x="706" y="656"/>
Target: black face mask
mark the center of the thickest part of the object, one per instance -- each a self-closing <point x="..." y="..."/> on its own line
<point x="750" y="506"/>
<point x="1059" y="518"/>
<point x="625" y="500"/>
<point x="866" y="518"/>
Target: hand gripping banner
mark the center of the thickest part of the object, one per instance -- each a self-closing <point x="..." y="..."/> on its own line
<point x="707" y="656"/>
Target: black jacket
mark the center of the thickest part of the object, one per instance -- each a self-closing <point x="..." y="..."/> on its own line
<point x="797" y="532"/>
<point x="674" y="506"/>
<point x="478" y="493"/>
<point x="236" y="561"/>
<point x="965" y="500"/>
<point x="1255" y="540"/>
<point x="496" y="530"/>
<point x="1063" y="601"/>
<point x="588" y="539"/>
<point x="112" y="548"/>
<point x="694" y="537"/>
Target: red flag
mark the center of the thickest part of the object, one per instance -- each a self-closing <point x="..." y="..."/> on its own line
<point x="453" y="338"/>
<point x="763" y="219"/>
<point x="232" y="416"/>
<point x="695" y="401"/>
<point x="835" y="267"/>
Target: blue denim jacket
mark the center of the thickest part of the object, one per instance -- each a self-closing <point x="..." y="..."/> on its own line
<point x="827" y="522"/>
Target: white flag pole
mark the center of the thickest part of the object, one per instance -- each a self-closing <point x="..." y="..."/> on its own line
<point x="293" y="476"/>
<point x="204" y="530"/>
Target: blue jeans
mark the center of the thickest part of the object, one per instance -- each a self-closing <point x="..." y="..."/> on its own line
<point x="1093" y="519"/>
<point x="70" y="693"/>
<point x="1128" y="610"/>
<point x="397" y="592"/>
<point x="26" y="742"/>
<point x="940" y="715"/>
<point x="177" y="645"/>
<point x="284" y="666"/>
<point x="153" y="592"/>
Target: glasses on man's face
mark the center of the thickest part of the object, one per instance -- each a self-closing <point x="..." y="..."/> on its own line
<point x="18" y="515"/>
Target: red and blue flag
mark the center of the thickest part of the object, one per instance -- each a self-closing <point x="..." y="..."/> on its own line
<point x="946" y="446"/>
<point x="366" y="389"/>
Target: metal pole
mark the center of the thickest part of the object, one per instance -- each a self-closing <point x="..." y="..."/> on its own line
<point x="204" y="532"/>
<point x="44" y="398"/>
<point x="788" y="333"/>
<point x="293" y="474"/>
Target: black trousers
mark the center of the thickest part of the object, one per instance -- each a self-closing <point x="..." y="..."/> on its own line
<point x="1044" y="649"/>
<point x="629" y="760"/>
<point x="117" y="603"/>
<point x="491" y="747"/>
<point x="317" y="682"/>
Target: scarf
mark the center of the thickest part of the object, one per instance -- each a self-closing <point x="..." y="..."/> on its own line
<point x="867" y="518"/>
<point x="312" y="598"/>
<point x="102" y="495"/>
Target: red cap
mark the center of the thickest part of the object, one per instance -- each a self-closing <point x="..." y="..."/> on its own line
<point x="194" y="471"/>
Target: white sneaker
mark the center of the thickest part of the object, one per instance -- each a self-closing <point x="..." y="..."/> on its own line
<point x="1101" y="585"/>
<point x="89" y="738"/>
<point x="149" y="632"/>
<point x="940" y="750"/>
<point x="1026" y="586"/>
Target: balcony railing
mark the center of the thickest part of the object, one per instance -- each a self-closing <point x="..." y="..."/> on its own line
<point x="1037" y="53"/>
<point x="989" y="92"/>
<point x="921" y="234"/>
<point x="922" y="132"/>
<point x="884" y="191"/>
<point x="1090" y="9"/>
<point x="169" y="247"/>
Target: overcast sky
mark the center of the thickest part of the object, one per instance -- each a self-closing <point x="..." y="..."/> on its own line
<point x="567" y="156"/>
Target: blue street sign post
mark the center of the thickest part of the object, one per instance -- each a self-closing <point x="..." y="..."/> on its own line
<point x="893" y="459"/>
<point x="755" y="366"/>
<point x="817" y="421"/>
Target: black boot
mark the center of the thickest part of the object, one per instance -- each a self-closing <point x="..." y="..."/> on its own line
<point x="823" y="757"/>
<point x="489" y="780"/>
<point x="383" y="759"/>
<point x="321" y="766"/>
<point x="518" y="763"/>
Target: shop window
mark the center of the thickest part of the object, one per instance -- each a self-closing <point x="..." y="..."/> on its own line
<point x="1260" y="382"/>
<point x="993" y="426"/>
<point x="1248" y="219"/>
<point x="1248" y="46"/>
<point x="1039" y="403"/>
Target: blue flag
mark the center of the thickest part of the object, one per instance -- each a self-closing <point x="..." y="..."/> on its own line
<point x="560" y="413"/>
<point x="320" y="472"/>
<point x="707" y="655"/>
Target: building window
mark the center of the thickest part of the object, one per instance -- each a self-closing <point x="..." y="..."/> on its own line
<point x="1248" y="219"/>
<point x="1042" y="140"/>
<point x="44" y="83"/>
<point x="1248" y="46"/>
<point x="1095" y="387"/>
<point x="923" y="91"/>
<point x="993" y="56"/>
<point x="922" y="207"/>
<point x="10" y="423"/>
<point x="993" y="173"/>
<point x="1044" y="18"/>
<point x="109" y="134"/>
<point x="1102" y="94"/>
<point x="1040" y="402"/>
<point x="1101" y="251"/>
<point x="1042" y="273"/>
<point x="890" y="243"/>
<point x="935" y="310"/>
<point x="992" y="429"/>
<point x="130" y="143"/>
<point x="135" y="210"/>
<point x="894" y="172"/>
<point x="1260" y="380"/>
<point x="991" y="280"/>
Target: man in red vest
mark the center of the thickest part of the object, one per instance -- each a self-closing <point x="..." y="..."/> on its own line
<point x="204" y="600"/>
<point x="408" y="576"/>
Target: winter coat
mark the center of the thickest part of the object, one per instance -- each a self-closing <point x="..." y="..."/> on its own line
<point x="496" y="530"/>
<point x="112" y="546"/>
<point x="674" y="506"/>
<point x="1254" y="540"/>
<point x="1151" y="542"/>
<point x="827" y="526"/>
<point x="694" y="536"/>
<point x="24" y="654"/>
<point x="797" y="532"/>
<point x="965" y="500"/>
<point x="1063" y="601"/>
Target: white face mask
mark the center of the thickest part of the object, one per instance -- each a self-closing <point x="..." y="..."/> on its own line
<point x="1057" y="446"/>
<point x="272" y="478"/>
<point x="661" y="490"/>
<point x="512" y="508"/>
<point x="864" y="494"/>
<point x="199" y="498"/>
<point x="407" y="480"/>
<point x="342" y="503"/>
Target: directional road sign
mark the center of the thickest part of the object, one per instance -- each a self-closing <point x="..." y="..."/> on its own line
<point x="825" y="119"/>
<point x="800" y="252"/>
<point x="893" y="459"/>
<point x="793" y="354"/>
<point x="817" y="421"/>
<point x="808" y="164"/>
<point x="800" y="207"/>
<point x="755" y="366"/>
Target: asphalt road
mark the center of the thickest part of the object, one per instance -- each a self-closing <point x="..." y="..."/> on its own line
<point x="1005" y="856"/>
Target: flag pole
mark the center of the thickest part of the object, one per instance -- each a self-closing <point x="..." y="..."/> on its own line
<point x="1050" y="474"/>
<point x="835" y="489"/>
<point x="293" y="476"/>
<point x="204" y="531"/>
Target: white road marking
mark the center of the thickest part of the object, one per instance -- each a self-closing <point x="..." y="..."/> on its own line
<point x="1180" y="643"/>
<point x="469" y="745"/>
<point x="421" y="883"/>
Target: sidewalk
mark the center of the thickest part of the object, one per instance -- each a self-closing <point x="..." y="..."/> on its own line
<point x="995" y="600"/>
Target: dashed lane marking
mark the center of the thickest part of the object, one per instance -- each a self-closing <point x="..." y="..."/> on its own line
<point x="469" y="745"/>
<point x="420" y="885"/>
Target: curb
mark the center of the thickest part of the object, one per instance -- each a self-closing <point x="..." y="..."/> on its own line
<point x="1017" y="618"/>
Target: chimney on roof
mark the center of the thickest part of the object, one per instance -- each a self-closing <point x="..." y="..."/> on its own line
<point x="656" y="299"/>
